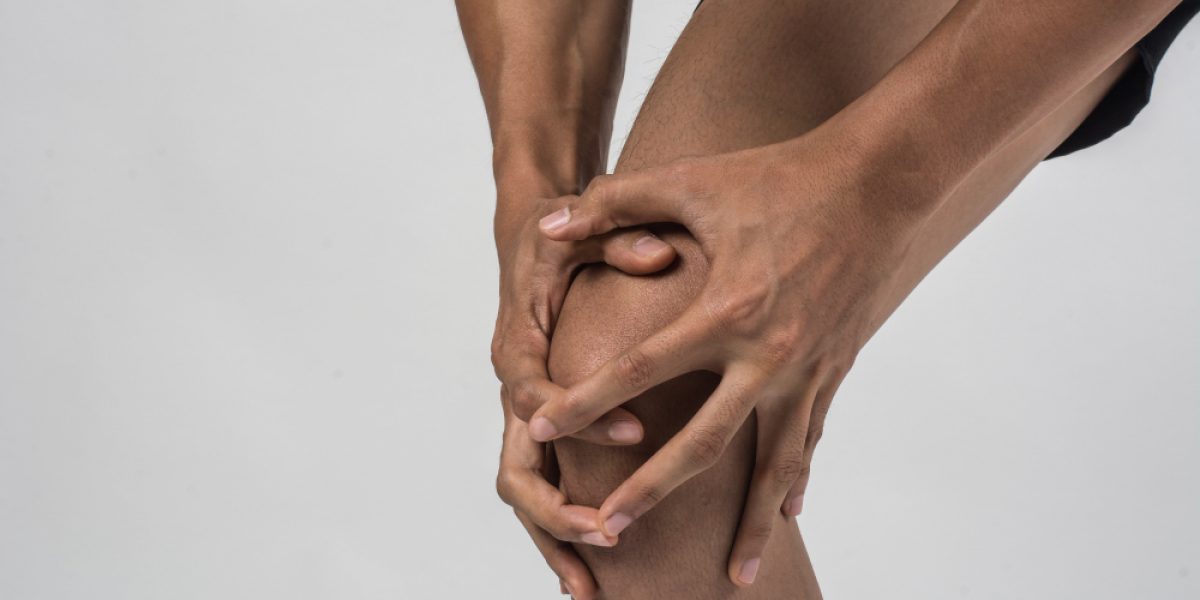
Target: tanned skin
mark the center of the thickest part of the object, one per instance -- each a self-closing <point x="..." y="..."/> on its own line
<point x="782" y="96"/>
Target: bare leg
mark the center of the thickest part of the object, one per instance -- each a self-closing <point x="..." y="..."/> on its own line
<point x="744" y="74"/>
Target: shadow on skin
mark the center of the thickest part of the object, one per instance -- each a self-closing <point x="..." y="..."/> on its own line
<point x="680" y="548"/>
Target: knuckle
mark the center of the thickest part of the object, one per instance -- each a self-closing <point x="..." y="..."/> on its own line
<point x="497" y="351"/>
<point x="513" y="340"/>
<point x="802" y="481"/>
<point x="780" y="347"/>
<point x="757" y="531"/>
<point x="526" y="400"/>
<point x="705" y="444"/>
<point x="634" y="370"/>
<point x="572" y="406"/>
<point x="502" y="350"/>
<point x="814" y="434"/>
<point x="647" y="494"/>
<point x="787" y="469"/>
<point x="504" y="487"/>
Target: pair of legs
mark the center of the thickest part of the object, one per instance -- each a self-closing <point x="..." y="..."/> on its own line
<point x="745" y="73"/>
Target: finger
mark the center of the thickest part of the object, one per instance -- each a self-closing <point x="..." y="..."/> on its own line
<point x="529" y="493"/>
<point x="617" y="427"/>
<point x="678" y="348"/>
<point x="521" y="342"/>
<point x="522" y="485"/>
<point x="636" y="251"/>
<point x="614" y="201"/>
<point x="519" y="354"/>
<point x="695" y="448"/>
<point x="778" y="464"/>
<point x="531" y="392"/>
<point x="574" y="576"/>
<point x="520" y="360"/>
<point x="793" y="502"/>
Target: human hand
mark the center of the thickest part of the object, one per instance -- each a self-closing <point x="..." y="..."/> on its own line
<point x="534" y="275"/>
<point x="525" y="482"/>
<point x="803" y="249"/>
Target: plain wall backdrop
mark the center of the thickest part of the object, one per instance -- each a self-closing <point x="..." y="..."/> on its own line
<point x="247" y="285"/>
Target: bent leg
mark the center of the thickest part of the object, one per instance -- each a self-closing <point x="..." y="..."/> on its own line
<point x="743" y="74"/>
<point x="680" y="549"/>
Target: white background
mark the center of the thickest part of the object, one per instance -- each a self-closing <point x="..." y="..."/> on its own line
<point x="247" y="286"/>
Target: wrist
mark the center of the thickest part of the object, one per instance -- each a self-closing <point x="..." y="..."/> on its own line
<point x="868" y="177"/>
<point x="559" y="151"/>
<point x="525" y="186"/>
<point x="903" y="150"/>
<point x="524" y="190"/>
<point x="531" y="172"/>
<point x="539" y="159"/>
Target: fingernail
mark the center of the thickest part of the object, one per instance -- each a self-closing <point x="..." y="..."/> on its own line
<point x="596" y="538"/>
<point x="749" y="570"/>
<point x="617" y="523"/>
<point x="556" y="219"/>
<point x="562" y="588"/>
<point x="569" y="589"/>
<point x="649" y="245"/>
<point x="794" y="505"/>
<point x="625" y="432"/>
<point x="542" y="429"/>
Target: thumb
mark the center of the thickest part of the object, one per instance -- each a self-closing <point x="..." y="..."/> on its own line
<point x="615" y="201"/>
<point x="637" y="251"/>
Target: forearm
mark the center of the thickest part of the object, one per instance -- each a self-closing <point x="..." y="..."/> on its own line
<point x="985" y="74"/>
<point x="993" y="180"/>
<point x="549" y="73"/>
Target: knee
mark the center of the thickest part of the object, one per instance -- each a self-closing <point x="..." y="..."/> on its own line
<point x="607" y="311"/>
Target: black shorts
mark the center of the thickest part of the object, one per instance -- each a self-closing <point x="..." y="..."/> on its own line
<point x="1131" y="92"/>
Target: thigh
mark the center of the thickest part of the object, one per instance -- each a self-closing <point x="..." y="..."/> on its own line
<point x="745" y="73"/>
<point x="742" y="74"/>
<point x="679" y="549"/>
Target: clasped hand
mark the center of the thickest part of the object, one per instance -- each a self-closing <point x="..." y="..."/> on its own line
<point x="803" y="253"/>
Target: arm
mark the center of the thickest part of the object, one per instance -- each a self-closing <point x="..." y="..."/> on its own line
<point x="549" y="73"/>
<point x="811" y="240"/>
<point x="989" y="71"/>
